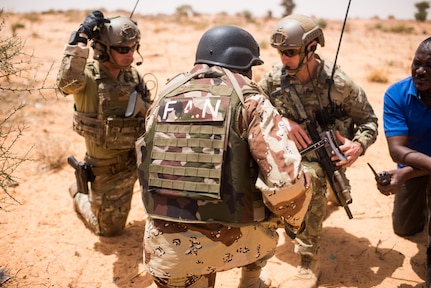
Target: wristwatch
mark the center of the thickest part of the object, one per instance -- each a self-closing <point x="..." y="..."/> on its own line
<point x="75" y="38"/>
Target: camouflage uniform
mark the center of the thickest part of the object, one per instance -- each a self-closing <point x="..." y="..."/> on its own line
<point x="355" y="119"/>
<point x="213" y="176"/>
<point x="100" y="105"/>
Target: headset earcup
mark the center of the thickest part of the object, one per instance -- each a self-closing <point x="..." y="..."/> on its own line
<point x="312" y="49"/>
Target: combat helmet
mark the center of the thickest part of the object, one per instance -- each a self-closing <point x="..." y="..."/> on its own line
<point x="296" y="31"/>
<point x="230" y="47"/>
<point x="119" y="31"/>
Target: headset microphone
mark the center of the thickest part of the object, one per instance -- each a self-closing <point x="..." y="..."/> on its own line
<point x="142" y="59"/>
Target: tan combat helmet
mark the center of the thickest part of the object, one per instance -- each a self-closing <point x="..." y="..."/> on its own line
<point x="296" y="31"/>
<point x="119" y="31"/>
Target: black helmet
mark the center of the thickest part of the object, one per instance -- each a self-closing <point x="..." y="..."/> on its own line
<point x="296" y="31"/>
<point x="228" y="46"/>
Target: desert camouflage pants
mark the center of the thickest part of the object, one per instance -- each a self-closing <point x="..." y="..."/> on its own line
<point x="202" y="281"/>
<point x="308" y="241"/>
<point x="106" y="207"/>
<point x="189" y="255"/>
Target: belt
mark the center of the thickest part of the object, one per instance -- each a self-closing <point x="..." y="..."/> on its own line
<point x="111" y="166"/>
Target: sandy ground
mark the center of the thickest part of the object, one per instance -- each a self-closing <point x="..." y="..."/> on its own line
<point x="44" y="244"/>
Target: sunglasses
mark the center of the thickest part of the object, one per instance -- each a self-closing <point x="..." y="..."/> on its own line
<point x="290" y="52"/>
<point x="124" y="49"/>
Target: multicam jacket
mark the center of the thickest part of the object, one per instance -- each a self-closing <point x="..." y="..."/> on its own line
<point x="100" y="103"/>
<point x="354" y="117"/>
<point x="202" y="158"/>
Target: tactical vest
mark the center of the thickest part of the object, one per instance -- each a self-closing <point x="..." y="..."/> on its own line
<point x="303" y="106"/>
<point x="109" y="128"/>
<point x="196" y="167"/>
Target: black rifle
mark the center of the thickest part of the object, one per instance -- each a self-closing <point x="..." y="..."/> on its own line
<point x="382" y="177"/>
<point x="324" y="145"/>
<point x="83" y="174"/>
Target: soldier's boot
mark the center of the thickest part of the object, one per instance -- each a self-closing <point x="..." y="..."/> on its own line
<point x="307" y="274"/>
<point x="428" y="269"/>
<point x="73" y="189"/>
<point x="82" y="206"/>
<point x="256" y="278"/>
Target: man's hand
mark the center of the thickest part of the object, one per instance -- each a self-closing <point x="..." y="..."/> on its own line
<point x="399" y="177"/>
<point x="297" y="134"/>
<point x="397" y="180"/>
<point x="92" y="24"/>
<point x="352" y="151"/>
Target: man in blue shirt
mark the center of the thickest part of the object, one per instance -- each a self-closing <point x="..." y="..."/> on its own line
<point x="407" y="125"/>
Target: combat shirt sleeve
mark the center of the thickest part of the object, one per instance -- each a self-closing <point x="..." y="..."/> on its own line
<point x="71" y="77"/>
<point x="271" y="80"/>
<point x="281" y="178"/>
<point x="354" y="101"/>
<point x="366" y="121"/>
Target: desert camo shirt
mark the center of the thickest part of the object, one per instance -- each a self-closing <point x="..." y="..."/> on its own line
<point x="179" y="249"/>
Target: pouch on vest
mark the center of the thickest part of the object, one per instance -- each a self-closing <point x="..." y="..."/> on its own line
<point x="189" y="144"/>
<point x="112" y="133"/>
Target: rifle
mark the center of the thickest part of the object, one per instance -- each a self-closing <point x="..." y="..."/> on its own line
<point x="382" y="177"/>
<point x="83" y="174"/>
<point x="334" y="174"/>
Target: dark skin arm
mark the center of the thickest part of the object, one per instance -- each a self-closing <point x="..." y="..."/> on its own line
<point x="417" y="164"/>
<point x="402" y="154"/>
<point x="398" y="178"/>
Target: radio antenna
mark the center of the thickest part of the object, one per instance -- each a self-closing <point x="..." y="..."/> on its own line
<point x="133" y="11"/>
<point x="331" y="80"/>
<point x="341" y="38"/>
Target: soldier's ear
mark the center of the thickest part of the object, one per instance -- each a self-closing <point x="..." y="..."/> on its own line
<point x="311" y="47"/>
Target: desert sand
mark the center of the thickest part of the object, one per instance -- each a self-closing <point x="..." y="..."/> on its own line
<point x="44" y="244"/>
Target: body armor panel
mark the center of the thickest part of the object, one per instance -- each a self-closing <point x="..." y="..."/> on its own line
<point x="109" y="128"/>
<point x="192" y="163"/>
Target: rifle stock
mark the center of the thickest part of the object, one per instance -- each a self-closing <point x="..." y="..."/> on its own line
<point x="334" y="174"/>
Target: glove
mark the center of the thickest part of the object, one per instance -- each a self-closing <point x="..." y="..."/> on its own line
<point x="92" y="24"/>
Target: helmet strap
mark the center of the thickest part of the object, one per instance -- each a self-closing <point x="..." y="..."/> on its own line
<point x="302" y="56"/>
<point x="113" y="62"/>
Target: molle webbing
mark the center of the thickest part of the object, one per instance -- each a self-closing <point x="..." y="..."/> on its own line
<point x="86" y="125"/>
<point x="108" y="128"/>
<point x="112" y="133"/>
<point x="191" y="165"/>
<point x="199" y="167"/>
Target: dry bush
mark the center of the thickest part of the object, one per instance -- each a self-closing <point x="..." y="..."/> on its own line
<point x="32" y="17"/>
<point x="52" y="150"/>
<point x="398" y="29"/>
<point x="17" y="80"/>
<point x="17" y="26"/>
<point x="378" y="76"/>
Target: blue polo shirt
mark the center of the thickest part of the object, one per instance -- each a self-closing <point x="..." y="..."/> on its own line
<point x="404" y="114"/>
